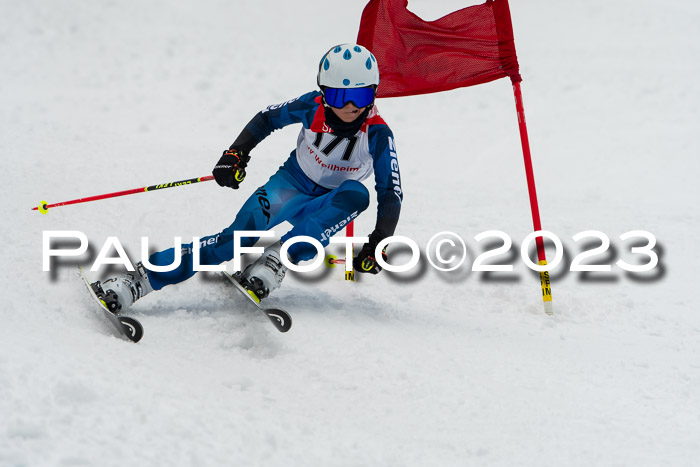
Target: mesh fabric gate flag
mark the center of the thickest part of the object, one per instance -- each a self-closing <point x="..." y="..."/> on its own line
<point x="470" y="46"/>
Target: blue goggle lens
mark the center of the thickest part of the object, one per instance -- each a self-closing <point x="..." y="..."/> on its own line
<point x="361" y="97"/>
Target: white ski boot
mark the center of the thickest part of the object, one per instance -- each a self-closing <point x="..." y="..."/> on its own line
<point x="119" y="293"/>
<point x="265" y="275"/>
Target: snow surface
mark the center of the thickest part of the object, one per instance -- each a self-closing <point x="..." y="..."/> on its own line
<point x="423" y="368"/>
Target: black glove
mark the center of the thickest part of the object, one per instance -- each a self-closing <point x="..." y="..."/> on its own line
<point x="365" y="261"/>
<point x="230" y="170"/>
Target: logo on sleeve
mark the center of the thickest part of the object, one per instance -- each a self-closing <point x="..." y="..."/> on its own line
<point x="395" y="168"/>
<point x="279" y="106"/>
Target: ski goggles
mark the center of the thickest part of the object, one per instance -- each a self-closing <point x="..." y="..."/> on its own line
<point x="339" y="97"/>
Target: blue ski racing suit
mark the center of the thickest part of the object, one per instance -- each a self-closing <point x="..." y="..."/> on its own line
<point x="318" y="189"/>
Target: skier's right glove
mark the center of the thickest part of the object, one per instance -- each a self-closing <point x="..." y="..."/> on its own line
<point x="230" y="170"/>
<point x="366" y="262"/>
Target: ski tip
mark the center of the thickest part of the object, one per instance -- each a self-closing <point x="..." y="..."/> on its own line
<point x="132" y="328"/>
<point x="280" y="318"/>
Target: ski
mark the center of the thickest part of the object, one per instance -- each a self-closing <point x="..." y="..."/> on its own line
<point x="126" y="327"/>
<point x="279" y="318"/>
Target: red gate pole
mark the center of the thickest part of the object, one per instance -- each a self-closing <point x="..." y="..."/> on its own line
<point x="542" y="260"/>
<point x="350" y="232"/>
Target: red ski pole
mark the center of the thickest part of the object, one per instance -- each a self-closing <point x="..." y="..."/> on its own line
<point x="43" y="206"/>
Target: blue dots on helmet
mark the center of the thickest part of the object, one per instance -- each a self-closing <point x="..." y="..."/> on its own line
<point x="348" y="66"/>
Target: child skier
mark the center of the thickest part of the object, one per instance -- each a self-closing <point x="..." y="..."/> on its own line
<point x="342" y="141"/>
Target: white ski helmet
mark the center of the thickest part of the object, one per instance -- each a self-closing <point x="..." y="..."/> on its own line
<point x="348" y="66"/>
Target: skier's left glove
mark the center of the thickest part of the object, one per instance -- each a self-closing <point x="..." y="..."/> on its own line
<point x="366" y="261"/>
<point x="230" y="170"/>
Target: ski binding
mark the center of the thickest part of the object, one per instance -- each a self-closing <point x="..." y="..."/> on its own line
<point x="279" y="318"/>
<point x="126" y="327"/>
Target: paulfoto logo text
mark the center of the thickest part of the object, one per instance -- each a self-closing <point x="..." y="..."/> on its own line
<point x="445" y="251"/>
